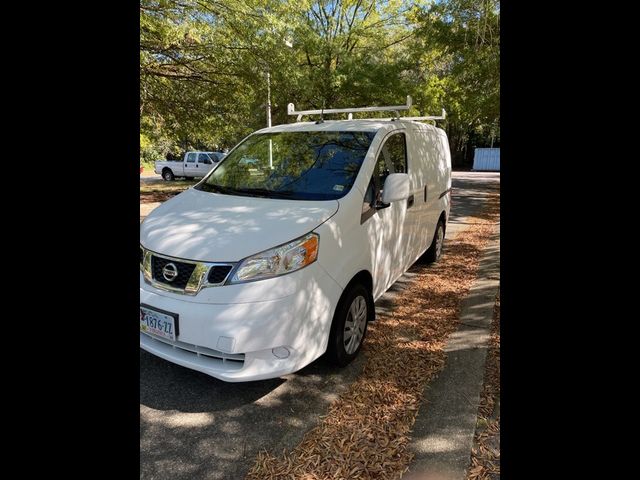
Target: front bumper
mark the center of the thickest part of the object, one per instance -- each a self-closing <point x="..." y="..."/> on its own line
<point x="234" y="341"/>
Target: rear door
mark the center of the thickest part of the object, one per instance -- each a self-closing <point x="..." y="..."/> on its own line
<point x="417" y="200"/>
<point x="436" y="179"/>
<point x="424" y="188"/>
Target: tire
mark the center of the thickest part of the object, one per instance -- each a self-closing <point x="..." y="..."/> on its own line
<point x="433" y="254"/>
<point x="353" y="300"/>
<point x="168" y="175"/>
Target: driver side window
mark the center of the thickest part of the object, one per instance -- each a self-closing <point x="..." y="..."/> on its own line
<point x="392" y="158"/>
<point x="191" y="158"/>
<point x="204" y="158"/>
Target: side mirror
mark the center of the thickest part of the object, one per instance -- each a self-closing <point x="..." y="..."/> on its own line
<point x="396" y="187"/>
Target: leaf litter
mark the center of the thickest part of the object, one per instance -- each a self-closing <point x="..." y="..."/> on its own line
<point x="366" y="432"/>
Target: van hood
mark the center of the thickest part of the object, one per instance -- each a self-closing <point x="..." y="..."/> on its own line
<point x="212" y="227"/>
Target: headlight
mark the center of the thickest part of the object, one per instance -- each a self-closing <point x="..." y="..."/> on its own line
<point x="279" y="260"/>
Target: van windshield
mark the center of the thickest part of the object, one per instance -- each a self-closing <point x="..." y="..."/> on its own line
<point x="294" y="165"/>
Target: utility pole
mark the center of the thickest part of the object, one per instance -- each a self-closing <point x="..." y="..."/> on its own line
<point x="268" y="99"/>
<point x="269" y="118"/>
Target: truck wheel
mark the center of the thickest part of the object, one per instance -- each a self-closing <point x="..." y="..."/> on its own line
<point x="349" y="326"/>
<point x="434" y="252"/>
<point x="168" y="175"/>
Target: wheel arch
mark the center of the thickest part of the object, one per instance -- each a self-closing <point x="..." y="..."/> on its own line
<point x="364" y="278"/>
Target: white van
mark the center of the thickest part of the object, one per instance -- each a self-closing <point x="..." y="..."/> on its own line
<point x="278" y="255"/>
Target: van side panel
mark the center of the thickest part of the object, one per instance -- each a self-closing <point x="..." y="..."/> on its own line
<point x="418" y="180"/>
<point x="433" y="171"/>
<point x="424" y="153"/>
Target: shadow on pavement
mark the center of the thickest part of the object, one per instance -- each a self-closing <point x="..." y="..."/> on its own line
<point x="194" y="426"/>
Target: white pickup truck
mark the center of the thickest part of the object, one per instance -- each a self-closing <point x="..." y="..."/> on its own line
<point x="194" y="164"/>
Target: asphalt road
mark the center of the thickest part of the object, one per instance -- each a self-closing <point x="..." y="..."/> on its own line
<point x="196" y="427"/>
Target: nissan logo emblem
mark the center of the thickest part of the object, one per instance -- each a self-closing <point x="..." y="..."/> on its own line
<point x="170" y="272"/>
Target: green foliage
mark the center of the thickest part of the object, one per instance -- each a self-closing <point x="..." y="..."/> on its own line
<point x="203" y="65"/>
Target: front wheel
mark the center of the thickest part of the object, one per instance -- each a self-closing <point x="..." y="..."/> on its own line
<point x="168" y="175"/>
<point x="349" y="325"/>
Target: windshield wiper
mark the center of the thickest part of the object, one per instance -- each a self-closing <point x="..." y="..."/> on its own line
<point x="211" y="187"/>
<point x="264" y="192"/>
<point x="248" y="192"/>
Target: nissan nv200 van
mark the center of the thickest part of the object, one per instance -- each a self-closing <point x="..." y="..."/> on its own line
<point x="278" y="255"/>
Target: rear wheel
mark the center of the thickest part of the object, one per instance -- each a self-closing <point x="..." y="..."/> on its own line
<point x="168" y="175"/>
<point x="349" y="326"/>
<point x="435" y="250"/>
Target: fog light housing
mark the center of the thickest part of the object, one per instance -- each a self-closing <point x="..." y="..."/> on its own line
<point x="280" y="352"/>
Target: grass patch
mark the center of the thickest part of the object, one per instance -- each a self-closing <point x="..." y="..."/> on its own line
<point x="366" y="432"/>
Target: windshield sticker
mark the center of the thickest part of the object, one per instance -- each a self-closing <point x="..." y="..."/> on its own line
<point x="338" y="188"/>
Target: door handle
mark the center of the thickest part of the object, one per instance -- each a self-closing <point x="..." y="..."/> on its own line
<point x="425" y="193"/>
<point x="410" y="202"/>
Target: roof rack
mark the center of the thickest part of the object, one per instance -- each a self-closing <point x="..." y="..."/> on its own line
<point x="432" y="117"/>
<point x="350" y="111"/>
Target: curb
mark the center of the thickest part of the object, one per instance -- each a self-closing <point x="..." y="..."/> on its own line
<point x="443" y="432"/>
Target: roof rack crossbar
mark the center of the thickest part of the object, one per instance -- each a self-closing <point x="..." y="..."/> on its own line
<point x="395" y="108"/>
<point x="433" y="117"/>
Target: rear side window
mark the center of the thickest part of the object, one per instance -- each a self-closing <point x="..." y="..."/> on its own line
<point x="191" y="157"/>
<point x="392" y="158"/>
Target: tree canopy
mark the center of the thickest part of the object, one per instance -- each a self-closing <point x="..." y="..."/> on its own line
<point x="204" y="64"/>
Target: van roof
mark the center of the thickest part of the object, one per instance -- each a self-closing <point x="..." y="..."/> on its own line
<point x="366" y="125"/>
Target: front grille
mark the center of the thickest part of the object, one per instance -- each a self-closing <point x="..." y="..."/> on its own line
<point x="218" y="273"/>
<point x="184" y="272"/>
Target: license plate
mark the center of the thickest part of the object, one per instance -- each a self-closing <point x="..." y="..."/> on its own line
<point x="161" y="324"/>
